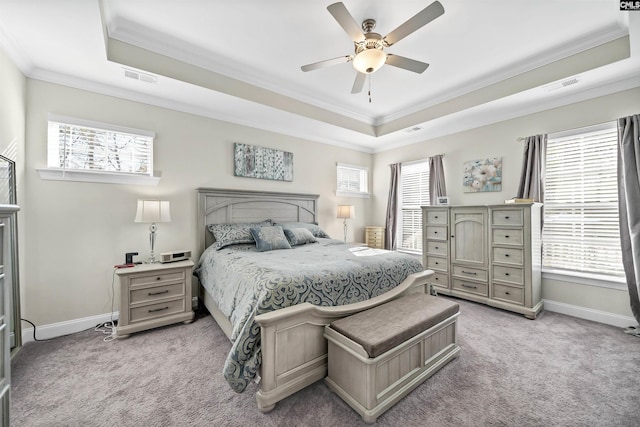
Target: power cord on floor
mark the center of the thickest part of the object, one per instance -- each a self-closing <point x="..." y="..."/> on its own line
<point x="34" y="329"/>
<point x="109" y="328"/>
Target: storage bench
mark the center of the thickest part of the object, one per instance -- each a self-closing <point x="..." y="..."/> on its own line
<point x="376" y="357"/>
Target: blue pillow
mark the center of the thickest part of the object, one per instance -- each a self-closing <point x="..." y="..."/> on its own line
<point x="233" y="234"/>
<point x="269" y="238"/>
<point x="313" y="228"/>
<point x="299" y="236"/>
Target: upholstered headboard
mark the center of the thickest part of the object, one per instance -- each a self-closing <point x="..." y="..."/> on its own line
<point x="219" y="206"/>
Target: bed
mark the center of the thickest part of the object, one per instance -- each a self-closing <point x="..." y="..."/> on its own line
<point x="277" y="334"/>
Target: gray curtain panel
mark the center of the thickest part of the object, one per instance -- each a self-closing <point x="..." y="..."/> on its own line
<point x="392" y="208"/>
<point x="629" y="204"/>
<point x="532" y="175"/>
<point x="437" y="187"/>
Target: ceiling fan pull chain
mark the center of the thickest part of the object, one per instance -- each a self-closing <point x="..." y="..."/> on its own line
<point x="369" y="93"/>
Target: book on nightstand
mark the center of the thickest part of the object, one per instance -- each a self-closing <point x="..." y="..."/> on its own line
<point x="518" y="200"/>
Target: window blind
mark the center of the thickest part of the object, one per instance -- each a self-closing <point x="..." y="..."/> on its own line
<point x="78" y="145"/>
<point x="351" y="179"/>
<point x="581" y="230"/>
<point x="414" y="193"/>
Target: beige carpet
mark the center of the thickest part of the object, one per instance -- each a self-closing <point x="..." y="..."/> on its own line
<point x="554" y="371"/>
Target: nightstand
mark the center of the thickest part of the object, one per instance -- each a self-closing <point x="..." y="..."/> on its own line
<point x="153" y="295"/>
<point x="374" y="237"/>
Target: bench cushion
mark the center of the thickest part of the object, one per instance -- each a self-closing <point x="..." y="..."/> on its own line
<point x="386" y="326"/>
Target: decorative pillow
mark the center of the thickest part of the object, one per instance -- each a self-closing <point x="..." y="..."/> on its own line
<point x="299" y="236"/>
<point x="269" y="238"/>
<point x="313" y="228"/>
<point x="231" y="234"/>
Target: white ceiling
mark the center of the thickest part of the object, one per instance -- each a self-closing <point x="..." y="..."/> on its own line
<point x="240" y="61"/>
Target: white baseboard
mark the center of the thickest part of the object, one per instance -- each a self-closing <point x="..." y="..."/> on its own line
<point x="54" y="330"/>
<point x="590" y="314"/>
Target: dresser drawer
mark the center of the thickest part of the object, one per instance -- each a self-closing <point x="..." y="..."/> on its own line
<point x="508" y="274"/>
<point x="437" y="217"/>
<point x="508" y="255"/>
<point x="438" y="264"/>
<point x="440" y="279"/>
<point x="507" y="217"/>
<point x="159" y="277"/>
<point x="437" y="248"/>
<point x="505" y="236"/>
<point x="511" y="294"/>
<point x="156" y="292"/>
<point x="470" y="273"/>
<point x="437" y="233"/>
<point x="152" y="311"/>
<point x="471" y="287"/>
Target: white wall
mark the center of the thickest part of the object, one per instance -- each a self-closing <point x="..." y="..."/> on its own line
<point x="500" y="139"/>
<point x="76" y="231"/>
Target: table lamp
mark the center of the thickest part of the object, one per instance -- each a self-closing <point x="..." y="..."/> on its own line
<point x="345" y="212"/>
<point x="152" y="211"/>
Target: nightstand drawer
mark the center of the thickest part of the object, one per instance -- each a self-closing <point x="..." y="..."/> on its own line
<point x="158" y="277"/>
<point x="154" y="293"/>
<point x="147" y="312"/>
<point x="440" y="279"/>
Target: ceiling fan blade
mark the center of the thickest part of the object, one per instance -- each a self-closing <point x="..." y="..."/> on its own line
<point x="358" y="84"/>
<point x="419" y="20"/>
<point x="326" y="63"/>
<point x="406" y="63"/>
<point x="346" y="21"/>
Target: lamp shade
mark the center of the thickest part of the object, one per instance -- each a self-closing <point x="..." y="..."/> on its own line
<point x="346" y="211"/>
<point x="153" y="211"/>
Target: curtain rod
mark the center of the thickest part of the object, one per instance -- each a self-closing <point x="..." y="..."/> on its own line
<point x="417" y="161"/>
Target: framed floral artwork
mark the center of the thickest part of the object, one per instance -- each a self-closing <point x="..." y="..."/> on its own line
<point x="483" y="175"/>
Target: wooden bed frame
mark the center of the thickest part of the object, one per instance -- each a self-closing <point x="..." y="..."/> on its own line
<point x="294" y="350"/>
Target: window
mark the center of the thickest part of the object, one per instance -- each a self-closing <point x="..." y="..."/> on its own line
<point x="98" y="152"/>
<point x="352" y="181"/>
<point x="413" y="193"/>
<point x="581" y="232"/>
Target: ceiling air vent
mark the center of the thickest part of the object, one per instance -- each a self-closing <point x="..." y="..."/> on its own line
<point x="562" y="83"/>
<point x="137" y="75"/>
<point x="413" y="129"/>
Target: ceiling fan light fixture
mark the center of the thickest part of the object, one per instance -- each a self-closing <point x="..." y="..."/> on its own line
<point x="369" y="60"/>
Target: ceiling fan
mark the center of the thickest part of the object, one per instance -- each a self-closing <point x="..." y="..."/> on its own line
<point x="369" y="53"/>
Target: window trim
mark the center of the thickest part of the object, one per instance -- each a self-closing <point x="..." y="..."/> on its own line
<point x="98" y="176"/>
<point x="360" y="194"/>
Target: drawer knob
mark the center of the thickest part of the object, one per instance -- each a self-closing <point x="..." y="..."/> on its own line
<point x="158" y="309"/>
<point x="437" y="247"/>
<point x="506" y="274"/>
<point x="435" y="232"/>
<point x="436" y="263"/>
<point x="506" y="255"/>
<point x="470" y="272"/>
<point x="506" y="237"/>
<point x="158" y="278"/>
<point x="436" y="216"/>
<point x="452" y="236"/>
<point x="506" y="293"/>
<point x="469" y="286"/>
<point x="437" y="278"/>
<point x="506" y="217"/>
<point x="166" y="291"/>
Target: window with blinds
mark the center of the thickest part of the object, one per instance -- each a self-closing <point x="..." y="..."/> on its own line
<point x="413" y="193"/>
<point x="78" y="145"/>
<point x="581" y="231"/>
<point x="352" y="180"/>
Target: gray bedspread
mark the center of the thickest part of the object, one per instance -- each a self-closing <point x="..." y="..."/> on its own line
<point x="245" y="283"/>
